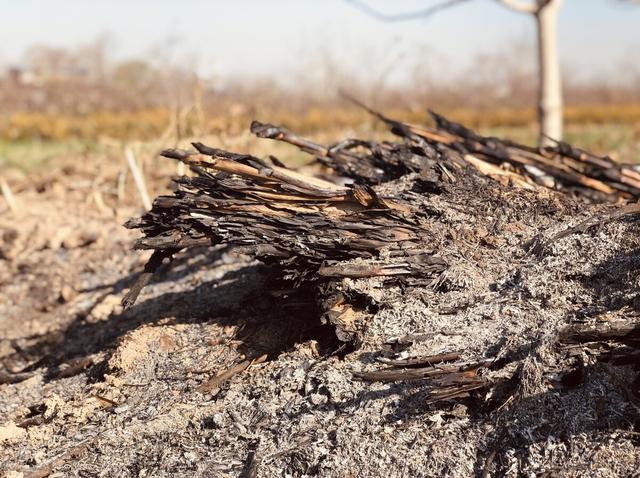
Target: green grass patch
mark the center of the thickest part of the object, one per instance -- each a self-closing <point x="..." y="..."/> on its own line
<point x="29" y="155"/>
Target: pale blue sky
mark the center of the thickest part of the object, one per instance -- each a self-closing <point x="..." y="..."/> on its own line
<point x="269" y="37"/>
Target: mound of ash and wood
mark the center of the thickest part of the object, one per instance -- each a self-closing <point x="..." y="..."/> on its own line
<point x="445" y="262"/>
<point x="445" y="304"/>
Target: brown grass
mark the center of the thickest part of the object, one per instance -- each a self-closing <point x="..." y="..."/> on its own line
<point x="153" y="123"/>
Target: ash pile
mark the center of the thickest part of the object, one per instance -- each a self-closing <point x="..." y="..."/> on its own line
<point x="481" y="298"/>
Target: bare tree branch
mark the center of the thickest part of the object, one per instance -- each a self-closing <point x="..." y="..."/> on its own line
<point x="399" y="17"/>
<point x="519" y="6"/>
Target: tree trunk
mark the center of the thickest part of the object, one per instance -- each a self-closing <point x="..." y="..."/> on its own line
<point x="550" y="83"/>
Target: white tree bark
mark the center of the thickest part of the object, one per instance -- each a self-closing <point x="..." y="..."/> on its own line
<point x="550" y="81"/>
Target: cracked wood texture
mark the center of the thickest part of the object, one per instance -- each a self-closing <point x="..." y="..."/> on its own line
<point x="315" y="233"/>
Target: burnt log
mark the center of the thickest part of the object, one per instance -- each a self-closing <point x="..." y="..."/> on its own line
<point x="317" y="234"/>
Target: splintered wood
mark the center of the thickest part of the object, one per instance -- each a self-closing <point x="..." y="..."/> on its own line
<point x="444" y="381"/>
<point x="316" y="234"/>
<point x="310" y="228"/>
<point x="562" y="167"/>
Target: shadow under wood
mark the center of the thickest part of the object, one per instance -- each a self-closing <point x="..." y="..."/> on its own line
<point x="266" y="324"/>
<point x="615" y="284"/>
<point x="180" y="267"/>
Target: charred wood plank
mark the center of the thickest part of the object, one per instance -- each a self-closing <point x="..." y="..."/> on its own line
<point x="622" y="331"/>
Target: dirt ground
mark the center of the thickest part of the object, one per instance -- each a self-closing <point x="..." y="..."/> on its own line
<point x="90" y="390"/>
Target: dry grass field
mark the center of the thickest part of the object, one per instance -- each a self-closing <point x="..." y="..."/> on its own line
<point x="30" y="141"/>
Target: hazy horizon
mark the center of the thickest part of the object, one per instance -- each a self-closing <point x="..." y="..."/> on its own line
<point x="282" y="38"/>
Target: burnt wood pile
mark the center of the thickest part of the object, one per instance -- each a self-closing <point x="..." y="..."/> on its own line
<point x="313" y="232"/>
<point x="316" y="229"/>
<point x="319" y="234"/>
<point x="562" y="167"/>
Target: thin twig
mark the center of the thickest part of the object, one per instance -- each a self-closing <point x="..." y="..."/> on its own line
<point x="401" y="17"/>
<point x="8" y="195"/>
<point x="138" y="179"/>
<point x="487" y="464"/>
